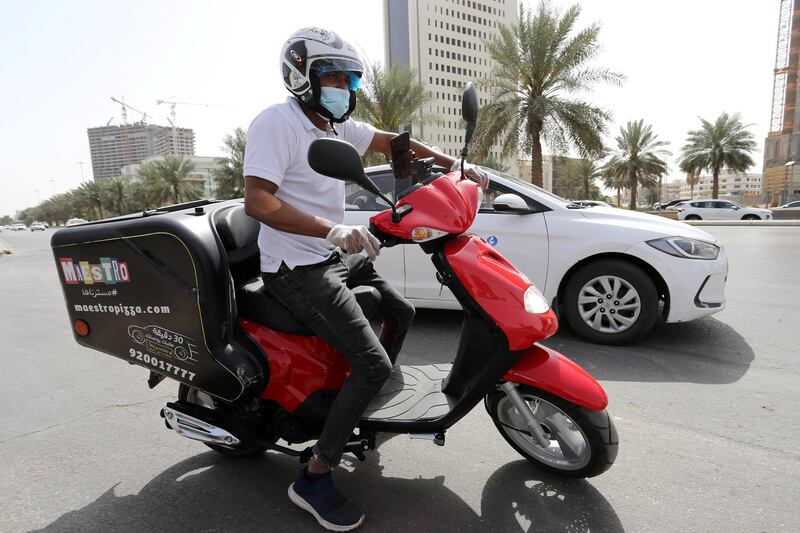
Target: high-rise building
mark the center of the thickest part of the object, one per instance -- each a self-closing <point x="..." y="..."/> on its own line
<point x="782" y="146"/>
<point x="113" y="147"/>
<point x="443" y="41"/>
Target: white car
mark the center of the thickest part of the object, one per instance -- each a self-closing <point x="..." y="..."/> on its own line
<point x="720" y="210"/>
<point x="610" y="272"/>
<point x="591" y="203"/>
<point x="75" y="222"/>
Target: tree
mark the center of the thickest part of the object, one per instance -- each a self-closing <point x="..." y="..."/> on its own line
<point x="692" y="179"/>
<point x="615" y="182"/>
<point x="581" y="175"/>
<point x="116" y="192"/>
<point x="541" y="63"/>
<point x="168" y="180"/>
<point x="90" y="195"/>
<point x="724" y="144"/>
<point x="229" y="177"/>
<point x="636" y="160"/>
<point x="5" y="220"/>
<point x="392" y="99"/>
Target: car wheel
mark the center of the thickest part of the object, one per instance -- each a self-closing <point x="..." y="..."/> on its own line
<point x="610" y="302"/>
<point x="751" y="217"/>
<point x="692" y="217"/>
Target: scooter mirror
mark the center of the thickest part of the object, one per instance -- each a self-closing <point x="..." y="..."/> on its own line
<point x="469" y="104"/>
<point x="339" y="160"/>
<point x="469" y="112"/>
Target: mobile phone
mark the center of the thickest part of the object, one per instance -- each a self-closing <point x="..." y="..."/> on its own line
<point x="401" y="155"/>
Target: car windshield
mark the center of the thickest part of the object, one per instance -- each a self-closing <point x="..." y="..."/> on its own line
<point x="529" y="186"/>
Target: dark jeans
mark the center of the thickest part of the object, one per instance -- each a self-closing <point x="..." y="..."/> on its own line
<point x="320" y="297"/>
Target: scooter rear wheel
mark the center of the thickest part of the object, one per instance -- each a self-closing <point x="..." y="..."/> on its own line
<point x="583" y="443"/>
<point x="191" y="395"/>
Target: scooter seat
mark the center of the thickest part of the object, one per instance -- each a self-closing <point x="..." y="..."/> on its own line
<point x="255" y="304"/>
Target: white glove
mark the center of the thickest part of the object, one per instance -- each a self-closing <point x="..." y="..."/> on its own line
<point x="473" y="172"/>
<point x="354" y="239"/>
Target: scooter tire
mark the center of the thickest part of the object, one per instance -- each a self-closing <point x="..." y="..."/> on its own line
<point x="244" y="449"/>
<point x="596" y="426"/>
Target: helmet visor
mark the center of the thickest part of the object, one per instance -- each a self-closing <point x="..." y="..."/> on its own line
<point x="352" y="67"/>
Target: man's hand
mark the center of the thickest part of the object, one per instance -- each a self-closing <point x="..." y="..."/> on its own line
<point x="354" y="239"/>
<point x="473" y="172"/>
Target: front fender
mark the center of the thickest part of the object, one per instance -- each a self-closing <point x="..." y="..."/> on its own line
<point x="552" y="372"/>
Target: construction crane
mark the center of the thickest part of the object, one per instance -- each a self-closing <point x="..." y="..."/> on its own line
<point x="173" y="122"/>
<point x="125" y="108"/>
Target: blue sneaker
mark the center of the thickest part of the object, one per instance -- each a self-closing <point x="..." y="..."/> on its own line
<point x="321" y="499"/>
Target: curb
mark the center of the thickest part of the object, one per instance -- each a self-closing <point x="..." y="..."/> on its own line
<point x="768" y="223"/>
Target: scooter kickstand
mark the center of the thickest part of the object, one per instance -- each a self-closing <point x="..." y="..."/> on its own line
<point x="522" y="407"/>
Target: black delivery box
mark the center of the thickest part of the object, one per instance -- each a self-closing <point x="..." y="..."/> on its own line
<point x="155" y="289"/>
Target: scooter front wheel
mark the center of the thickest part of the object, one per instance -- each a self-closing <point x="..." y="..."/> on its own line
<point x="583" y="443"/>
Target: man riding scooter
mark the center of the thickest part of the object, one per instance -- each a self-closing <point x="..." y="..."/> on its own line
<point x="309" y="259"/>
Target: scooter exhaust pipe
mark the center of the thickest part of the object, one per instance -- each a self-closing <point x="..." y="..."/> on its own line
<point x="196" y="429"/>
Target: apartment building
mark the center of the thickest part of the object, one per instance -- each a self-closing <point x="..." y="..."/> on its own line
<point x="443" y="41"/>
<point x="113" y="147"/>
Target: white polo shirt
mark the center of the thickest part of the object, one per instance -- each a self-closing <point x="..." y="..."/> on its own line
<point x="276" y="150"/>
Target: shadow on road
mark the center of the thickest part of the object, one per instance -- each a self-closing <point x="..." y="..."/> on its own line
<point x="705" y="350"/>
<point x="209" y="492"/>
<point x="701" y="351"/>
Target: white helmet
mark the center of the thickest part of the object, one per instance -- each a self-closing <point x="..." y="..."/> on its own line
<point x="310" y="52"/>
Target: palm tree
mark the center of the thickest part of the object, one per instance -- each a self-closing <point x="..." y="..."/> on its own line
<point x="169" y="180"/>
<point x="542" y="62"/>
<point x="581" y="175"/>
<point x="116" y="192"/>
<point x="229" y="176"/>
<point x="637" y="160"/>
<point x="724" y="144"/>
<point x="392" y="99"/>
<point x="90" y="195"/>
<point x="692" y="177"/>
<point x="612" y="181"/>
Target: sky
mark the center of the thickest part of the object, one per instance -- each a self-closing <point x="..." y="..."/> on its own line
<point x="60" y="62"/>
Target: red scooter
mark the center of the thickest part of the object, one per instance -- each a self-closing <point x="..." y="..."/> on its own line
<point x="251" y="375"/>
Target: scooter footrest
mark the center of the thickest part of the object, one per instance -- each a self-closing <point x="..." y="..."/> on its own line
<point x="412" y="393"/>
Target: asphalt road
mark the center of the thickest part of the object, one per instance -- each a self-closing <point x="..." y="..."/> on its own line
<point x="707" y="414"/>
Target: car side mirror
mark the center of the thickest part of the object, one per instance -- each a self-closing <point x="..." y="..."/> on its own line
<point x="510" y="203"/>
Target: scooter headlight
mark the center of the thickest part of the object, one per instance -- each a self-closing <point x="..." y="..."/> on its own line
<point x="534" y="301"/>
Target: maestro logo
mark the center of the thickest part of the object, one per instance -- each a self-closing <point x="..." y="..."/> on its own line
<point x="109" y="271"/>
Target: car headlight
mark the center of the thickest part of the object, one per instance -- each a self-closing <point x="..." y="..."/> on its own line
<point x="534" y="301"/>
<point x="687" y="248"/>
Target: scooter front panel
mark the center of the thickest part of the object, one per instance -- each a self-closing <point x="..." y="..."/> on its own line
<point x="498" y="288"/>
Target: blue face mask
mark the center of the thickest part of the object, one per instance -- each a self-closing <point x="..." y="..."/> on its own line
<point x="337" y="101"/>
